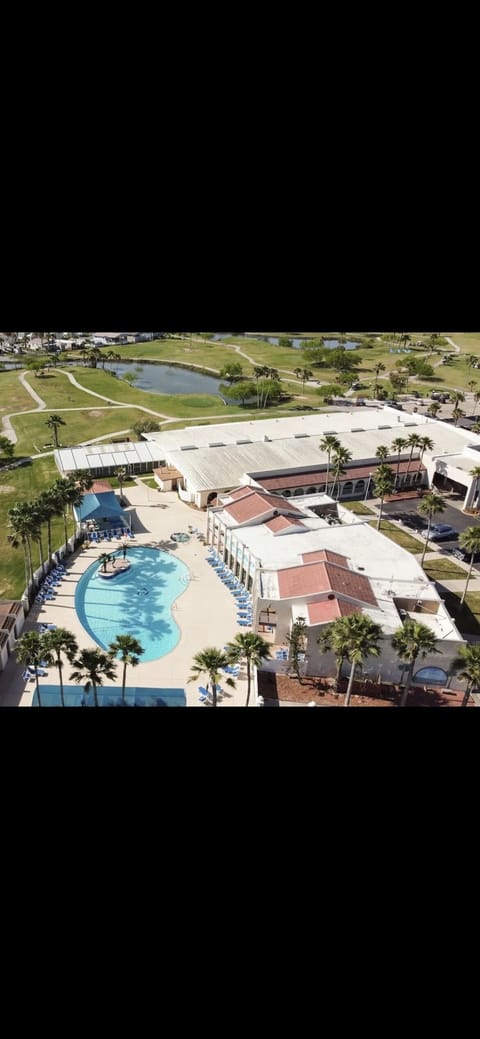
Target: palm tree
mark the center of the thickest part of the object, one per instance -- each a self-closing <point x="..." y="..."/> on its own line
<point x="306" y="374"/>
<point x="431" y="505"/>
<point x="23" y="526"/>
<point x="29" y="651"/>
<point x="334" y="638"/>
<point x="54" y="644"/>
<point x="476" y="397"/>
<point x="471" y="385"/>
<point x="297" y="639"/>
<point x="93" y="666"/>
<point x="411" y="641"/>
<point x="470" y="540"/>
<point x="210" y="661"/>
<point x="475" y="472"/>
<point x="469" y="661"/>
<point x="53" y="423"/>
<point x="457" y="413"/>
<point x="253" y="649"/>
<point x="377" y="369"/>
<point x="382" y="453"/>
<point x="433" y="409"/>
<point x="398" y="445"/>
<point x="362" y="636"/>
<point x="476" y="427"/>
<point x="49" y="505"/>
<point x="426" y="444"/>
<point x="104" y="559"/>
<point x="383" y="483"/>
<point x="130" y="650"/>
<point x="340" y="458"/>
<point x="329" y="443"/>
<point x="121" y="473"/>
<point x="457" y="397"/>
<point x="413" y="441"/>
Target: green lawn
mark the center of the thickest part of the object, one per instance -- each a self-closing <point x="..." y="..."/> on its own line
<point x="150" y="481"/>
<point x="442" y="569"/>
<point x="13" y="397"/>
<point x="57" y="391"/>
<point x="358" y="507"/>
<point x="466" y="617"/>
<point x="24" y="485"/>
<point x="33" y="432"/>
<point x="399" y="536"/>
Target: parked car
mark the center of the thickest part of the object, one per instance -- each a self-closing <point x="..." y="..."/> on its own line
<point x="440" y="532"/>
<point x="461" y="553"/>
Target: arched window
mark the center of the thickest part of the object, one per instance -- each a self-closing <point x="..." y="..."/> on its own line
<point x="311" y="490"/>
<point x="360" y="487"/>
<point x="298" y="491"/>
<point x="286" y="494"/>
<point x="347" y="488"/>
<point x="433" y="675"/>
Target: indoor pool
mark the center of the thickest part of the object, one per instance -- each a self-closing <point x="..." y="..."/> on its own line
<point x="138" y="602"/>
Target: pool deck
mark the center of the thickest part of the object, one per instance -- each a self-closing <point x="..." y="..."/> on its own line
<point x="205" y="612"/>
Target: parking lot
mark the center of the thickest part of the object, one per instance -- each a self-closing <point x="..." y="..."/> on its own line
<point x="413" y="520"/>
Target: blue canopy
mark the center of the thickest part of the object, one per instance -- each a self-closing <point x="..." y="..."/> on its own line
<point x="97" y="506"/>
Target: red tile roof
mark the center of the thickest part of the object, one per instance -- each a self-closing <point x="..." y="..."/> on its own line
<point x="330" y="610"/>
<point x="282" y="523"/>
<point x="257" y="503"/>
<point x="324" y="555"/>
<point x="324" y="577"/>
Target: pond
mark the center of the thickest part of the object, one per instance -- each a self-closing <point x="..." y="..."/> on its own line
<point x="166" y="378"/>
<point x="297" y="343"/>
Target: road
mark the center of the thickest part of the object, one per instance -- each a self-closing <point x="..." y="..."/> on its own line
<point x="457" y="519"/>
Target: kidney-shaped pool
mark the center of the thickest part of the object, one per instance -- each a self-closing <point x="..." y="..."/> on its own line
<point x="138" y="602"/>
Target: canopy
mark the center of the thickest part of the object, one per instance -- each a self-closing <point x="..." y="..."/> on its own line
<point x="97" y="506"/>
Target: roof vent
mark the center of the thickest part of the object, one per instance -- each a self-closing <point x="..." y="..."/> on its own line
<point x="330" y="596"/>
<point x="188" y="447"/>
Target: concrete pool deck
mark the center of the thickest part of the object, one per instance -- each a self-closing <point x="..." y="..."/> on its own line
<point x="205" y="612"/>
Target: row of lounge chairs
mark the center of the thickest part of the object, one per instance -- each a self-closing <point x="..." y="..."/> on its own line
<point x="109" y="535"/>
<point x="244" y="601"/>
<point x="50" y="583"/>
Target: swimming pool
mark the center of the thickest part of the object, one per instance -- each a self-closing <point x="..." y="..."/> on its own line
<point x="138" y="602"/>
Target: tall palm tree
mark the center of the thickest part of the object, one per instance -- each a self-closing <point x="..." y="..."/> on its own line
<point x="476" y="473"/>
<point x="121" y="473"/>
<point x="471" y="385"/>
<point x="306" y="374"/>
<point x="362" y="638"/>
<point x="29" y="651"/>
<point x="457" y="397"/>
<point x="130" y="650"/>
<point x="340" y="458"/>
<point x="104" y="559"/>
<point x="433" y="409"/>
<point x="426" y="444"/>
<point x="91" y="667"/>
<point x="457" y="413"/>
<point x="49" y="505"/>
<point x="249" y="647"/>
<point x="413" y="441"/>
<point x="377" y="369"/>
<point x="382" y="453"/>
<point x="398" y="445"/>
<point x="23" y="525"/>
<point x="210" y="661"/>
<point x="334" y="637"/>
<point x="297" y="641"/>
<point x="468" y="661"/>
<point x="431" y="505"/>
<point x="383" y="483"/>
<point x="55" y="643"/>
<point x="329" y="443"/>
<point x="470" y="540"/>
<point x="53" y="423"/>
<point x="409" y="642"/>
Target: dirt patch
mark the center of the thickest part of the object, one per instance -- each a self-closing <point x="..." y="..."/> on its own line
<point x="276" y="687"/>
<point x="95" y="414"/>
<point x="6" y="489"/>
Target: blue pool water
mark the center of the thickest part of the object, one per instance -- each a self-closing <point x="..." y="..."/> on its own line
<point x="135" y="696"/>
<point x="138" y="602"/>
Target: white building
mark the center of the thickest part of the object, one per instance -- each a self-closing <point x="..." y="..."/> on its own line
<point x="283" y="455"/>
<point x="299" y="564"/>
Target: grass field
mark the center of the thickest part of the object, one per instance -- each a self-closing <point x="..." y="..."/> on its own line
<point x="442" y="569"/>
<point x="13" y="397"/>
<point x="466" y="617"/>
<point x="33" y="432"/>
<point x="358" y="507"/>
<point x="16" y="486"/>
<point x="57" y="390"/>
<point x="399" y="536"/>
